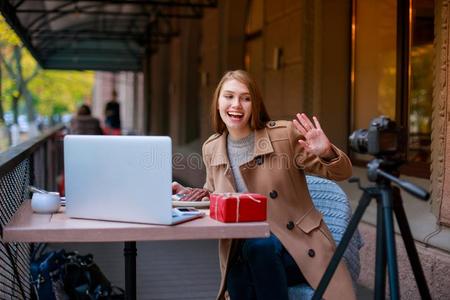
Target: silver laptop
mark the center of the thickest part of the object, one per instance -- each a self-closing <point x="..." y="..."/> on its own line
<point x="121" y="178"/>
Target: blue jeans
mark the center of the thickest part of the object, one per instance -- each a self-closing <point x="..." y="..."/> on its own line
<point x="262" y="269"/>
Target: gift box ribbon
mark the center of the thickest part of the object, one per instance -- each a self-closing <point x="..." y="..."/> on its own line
<point x="227" y="196"/>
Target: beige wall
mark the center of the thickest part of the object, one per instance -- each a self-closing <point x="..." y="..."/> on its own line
<point x="283" y="87"/>
<point x="333" y="78"/>
<point x="172" y="85"/>
<point x="129" y="95"/>
<point x="440" y="136"/>
<point x="221" y="49"/>
<point x="209" y="67"/>
<point x="183" y="83"/>
<point x="104" y="84"/>
<point x="302" y="82"/>
<point x="231" y="35"/>
<point x="139" y="117"/>
<point x="159" y="92"/>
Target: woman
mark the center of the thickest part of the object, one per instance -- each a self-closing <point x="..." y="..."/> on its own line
<point x="84" y="122"/>
<point x="251" y="153"/>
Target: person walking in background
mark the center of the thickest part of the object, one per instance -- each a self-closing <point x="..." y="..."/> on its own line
<point x="84" y="122"/>
<point x="244" y="155"/>
<point x="112" y="116"/>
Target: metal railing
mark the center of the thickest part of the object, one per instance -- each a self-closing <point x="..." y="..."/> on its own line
<point x="37" y="161"/>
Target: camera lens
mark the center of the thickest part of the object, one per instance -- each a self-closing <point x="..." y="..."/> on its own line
<point x="358" y="140"/>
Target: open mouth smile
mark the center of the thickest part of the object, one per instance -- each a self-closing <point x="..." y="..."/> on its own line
<point x="236" y="116"/>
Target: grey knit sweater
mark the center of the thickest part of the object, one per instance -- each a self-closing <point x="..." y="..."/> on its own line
<point x="240" y="152"/>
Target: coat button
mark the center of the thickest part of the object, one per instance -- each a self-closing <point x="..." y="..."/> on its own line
<point x="273" y="194"/>
<point x="311" y="253"/>
<point x="272" y="123"/>
<point x="259" y="160"/>
<point x="290" y="225"/>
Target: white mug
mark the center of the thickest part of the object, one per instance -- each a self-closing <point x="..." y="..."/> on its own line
<point x="45" y="203"/>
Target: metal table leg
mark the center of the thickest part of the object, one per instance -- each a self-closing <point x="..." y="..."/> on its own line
<point x="130" y="253"/>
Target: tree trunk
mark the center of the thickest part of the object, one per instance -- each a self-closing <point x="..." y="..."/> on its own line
<point x="31" y="114"/>
<point x="14" y="68"/>
<point x="22" y="85"/>
<point x="15" y="108"/>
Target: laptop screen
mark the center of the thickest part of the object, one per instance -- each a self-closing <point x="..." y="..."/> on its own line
<point x="121" y="178"/>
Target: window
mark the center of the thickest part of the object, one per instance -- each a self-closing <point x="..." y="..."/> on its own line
<point x="421" y="78"/>
<point x="393" y="77"/>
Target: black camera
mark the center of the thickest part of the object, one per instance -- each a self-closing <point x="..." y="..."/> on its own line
<point x="382" y="138"/>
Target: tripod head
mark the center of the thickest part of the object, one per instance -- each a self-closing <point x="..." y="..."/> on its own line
<point x="384" y="171"/>
<point x="387" y="142"/>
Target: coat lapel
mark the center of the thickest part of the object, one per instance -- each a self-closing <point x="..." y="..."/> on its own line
<point x="263" y="145"/>
<point x="220" y="155"/>
<point x="220" y="160"/>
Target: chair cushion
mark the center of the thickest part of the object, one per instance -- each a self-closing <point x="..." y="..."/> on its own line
<point x="333" y="203"/>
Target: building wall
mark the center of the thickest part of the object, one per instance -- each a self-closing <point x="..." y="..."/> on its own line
<point x="440" y="136"/>
<point x="126" y="92"/>
<point x="159" y="91"/>
<point x="173" y="85"/>
<point x="104" y="84"/>
<point x="313" y="65"/>
<point x="221" y="50"/>
<point x="209" y="67"/>
<point x="129" y="95"/>
<point x="139" y="115"/>
<point x="332" y="78"/>
<point x="283" y="88"/>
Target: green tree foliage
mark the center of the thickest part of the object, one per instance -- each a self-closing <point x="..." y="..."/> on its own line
<point x="25" y="85"/>
<point x="7" y="41"/>
<point x="61" y="91"/>
<point x="17" y="68"/>
<point x="7" y="36"/>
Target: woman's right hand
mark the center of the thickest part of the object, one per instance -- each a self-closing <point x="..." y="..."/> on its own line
<point x="177" y="188"/>
<point x="189" y="194"/>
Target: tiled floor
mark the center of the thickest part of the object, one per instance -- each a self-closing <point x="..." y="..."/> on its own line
<point x="167" y="270"/>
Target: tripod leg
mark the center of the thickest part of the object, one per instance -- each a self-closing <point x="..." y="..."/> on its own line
<point x="380" y="256"/>
<point x="348" y="234"/>
<point x="410" y="247"/>
<point x="386" y="196"/>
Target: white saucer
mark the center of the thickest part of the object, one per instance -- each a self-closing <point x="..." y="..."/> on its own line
<point x="196" y="204"/>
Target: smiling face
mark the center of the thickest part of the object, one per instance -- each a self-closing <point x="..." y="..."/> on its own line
<point x="247" y="115"/>
<point x="235" y="108"/>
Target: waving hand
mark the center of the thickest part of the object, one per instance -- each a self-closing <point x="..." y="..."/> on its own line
<point x="316" y="142"/>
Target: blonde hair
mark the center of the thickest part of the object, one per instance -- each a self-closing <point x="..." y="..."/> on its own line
<point x="259" y="116"/>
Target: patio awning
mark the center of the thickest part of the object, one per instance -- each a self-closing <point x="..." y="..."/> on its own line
<point x="107" y="35"/>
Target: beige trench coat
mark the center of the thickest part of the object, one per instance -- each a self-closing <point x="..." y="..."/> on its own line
<point x="277" y="170"/>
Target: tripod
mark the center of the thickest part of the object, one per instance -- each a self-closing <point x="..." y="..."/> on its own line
<point x="388" y="201"/>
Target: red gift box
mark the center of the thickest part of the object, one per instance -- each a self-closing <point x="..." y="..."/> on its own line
<point x="238" y="207"/>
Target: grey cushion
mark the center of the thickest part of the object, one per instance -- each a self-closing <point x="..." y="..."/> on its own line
<point x="333" y="203"/>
